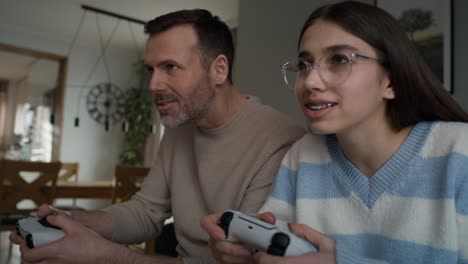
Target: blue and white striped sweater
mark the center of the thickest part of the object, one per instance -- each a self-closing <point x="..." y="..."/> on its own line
<point x="413" y="210"/>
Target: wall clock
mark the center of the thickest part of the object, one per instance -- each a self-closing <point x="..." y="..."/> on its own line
<point x="105" y="103"/>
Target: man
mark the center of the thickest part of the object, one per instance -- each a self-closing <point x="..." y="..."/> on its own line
<point x="221" y="150"/>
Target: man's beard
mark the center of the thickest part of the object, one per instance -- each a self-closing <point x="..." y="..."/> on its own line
<point x="191" y="108"/>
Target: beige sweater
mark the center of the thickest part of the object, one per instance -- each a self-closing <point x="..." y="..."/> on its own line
<point x="199" y="172"/>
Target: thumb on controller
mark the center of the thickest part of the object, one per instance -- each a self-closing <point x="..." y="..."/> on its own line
<point x="61" y="221"/>
<point x="268" y="217"/>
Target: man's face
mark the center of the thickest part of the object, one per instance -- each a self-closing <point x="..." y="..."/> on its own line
<point x="180" y="83"/>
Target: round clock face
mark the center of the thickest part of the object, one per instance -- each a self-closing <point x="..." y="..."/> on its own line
<point x="105" y="103"/>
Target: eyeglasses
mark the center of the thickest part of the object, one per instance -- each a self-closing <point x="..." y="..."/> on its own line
<point x="332" y="68"/>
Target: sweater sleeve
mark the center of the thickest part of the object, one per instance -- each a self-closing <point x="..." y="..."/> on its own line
<point x="281" y="200"/>
<point x="141" y="218"/>
<point x="260" y="185"/>
<point x="274" y="146"/>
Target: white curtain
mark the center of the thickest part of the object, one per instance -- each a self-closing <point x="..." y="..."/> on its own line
<point x="15" y="93"/>
<point x="41" y="138"/>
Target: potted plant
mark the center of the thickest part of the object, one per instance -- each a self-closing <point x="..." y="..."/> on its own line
<point x="137" y="117"/>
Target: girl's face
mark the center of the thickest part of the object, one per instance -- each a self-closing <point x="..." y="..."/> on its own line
<point x="336" y="100"/>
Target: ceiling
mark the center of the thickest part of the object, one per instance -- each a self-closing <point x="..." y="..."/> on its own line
<point x="59" y="20"/>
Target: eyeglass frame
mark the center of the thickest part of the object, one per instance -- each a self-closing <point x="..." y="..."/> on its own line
<point x="311" y="66"/>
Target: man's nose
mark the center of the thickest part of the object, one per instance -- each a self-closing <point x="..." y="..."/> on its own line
<point x="156" y="81"/>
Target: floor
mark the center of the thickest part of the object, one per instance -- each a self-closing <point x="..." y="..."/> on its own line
<point x="4" y="245"/>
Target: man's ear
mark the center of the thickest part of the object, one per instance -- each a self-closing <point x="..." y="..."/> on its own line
<point x="219" y="69"/>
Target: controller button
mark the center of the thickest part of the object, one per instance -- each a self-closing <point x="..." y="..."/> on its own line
<point x="276" y="251"/>
<point x="29" y="241"/>
<point x="280" y="240"/>
<point x="279" y="244"/>
<point x="45" y="223"/>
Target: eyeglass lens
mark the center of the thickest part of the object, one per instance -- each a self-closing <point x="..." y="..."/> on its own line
<point x="333" y="69"/>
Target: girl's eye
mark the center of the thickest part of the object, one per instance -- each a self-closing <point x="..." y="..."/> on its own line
<point x="302" y="65"/>
<point x="336" y="59"/>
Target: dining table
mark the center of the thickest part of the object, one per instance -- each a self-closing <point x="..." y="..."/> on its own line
<point x="81" y="189"/>
<point x="84" y="189"/>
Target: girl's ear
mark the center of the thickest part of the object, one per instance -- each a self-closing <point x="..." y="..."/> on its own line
<point x="219" y="69"/>
<point x="389" y="93"/>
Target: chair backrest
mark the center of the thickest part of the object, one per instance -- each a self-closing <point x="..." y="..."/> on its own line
<point x="127" y="182"/>
<point x="68" y="170"/>
<point x="14" y="188"/>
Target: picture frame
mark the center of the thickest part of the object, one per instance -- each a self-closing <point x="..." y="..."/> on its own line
<point x="429" y="24"/>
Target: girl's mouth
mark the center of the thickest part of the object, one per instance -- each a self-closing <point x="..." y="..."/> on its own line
<point x="318" y="107"/>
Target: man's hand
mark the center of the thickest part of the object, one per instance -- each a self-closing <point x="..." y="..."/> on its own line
<point x="96" y="220"/>
<point x="46" y="210"/>
<point x="79" y="245"/>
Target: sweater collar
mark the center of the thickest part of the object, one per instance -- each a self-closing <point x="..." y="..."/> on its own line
<point x="251" y="100"/>
<point x="370" y="189"/>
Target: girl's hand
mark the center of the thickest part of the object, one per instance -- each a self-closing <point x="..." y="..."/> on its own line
<point x="224" y="251"/>
<point x="326" y="249"/>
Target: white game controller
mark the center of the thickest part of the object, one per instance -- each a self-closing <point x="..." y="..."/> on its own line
<point x="262" y="236"/>
<point x="37" y="231"/>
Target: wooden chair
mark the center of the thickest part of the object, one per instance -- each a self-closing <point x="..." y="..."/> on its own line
<point x="127" y="183"/>
<point x="14" y="188"/>
<point x="69" y="170"/>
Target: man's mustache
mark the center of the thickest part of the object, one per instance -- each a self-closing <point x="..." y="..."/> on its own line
<point x="162" y="98"/>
